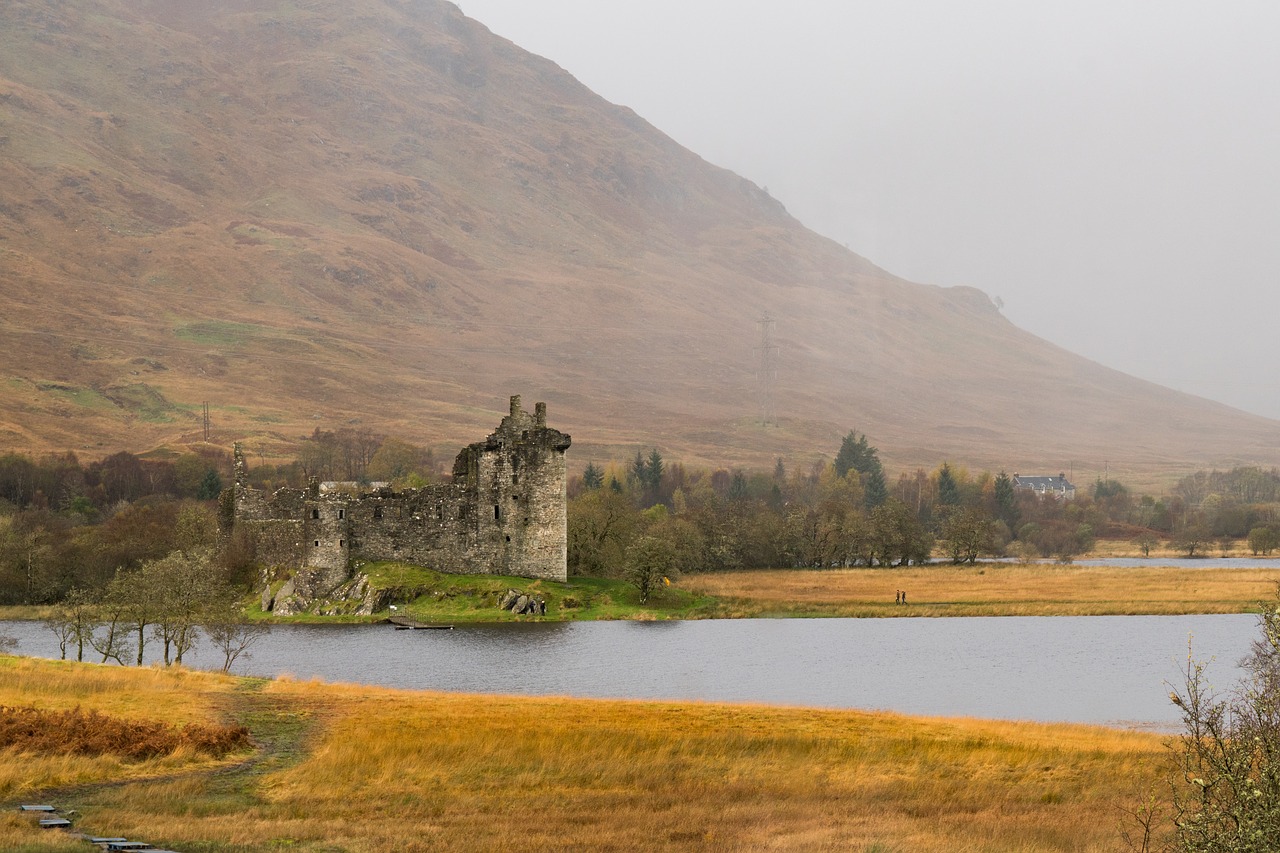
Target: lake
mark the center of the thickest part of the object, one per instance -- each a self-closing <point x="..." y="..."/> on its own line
<point x="1111" y="670"/>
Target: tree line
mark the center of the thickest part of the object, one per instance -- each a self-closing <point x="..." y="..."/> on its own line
<point x="169" y="601"/>
<point x="65" y="524"/>
<point x="68" y="525"/>
<point x="846" y="512"/>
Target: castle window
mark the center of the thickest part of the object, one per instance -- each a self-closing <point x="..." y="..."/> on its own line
<point x="342" y="543"/>
<point x="508" y="538"/>
<point x="342" y="513"/>
<point x="515" y="479"/>
<point x="497" y="513"/>
<point x="315" y="513"/>
<point x="377" y="512"/>
<point x="317" y="543"/>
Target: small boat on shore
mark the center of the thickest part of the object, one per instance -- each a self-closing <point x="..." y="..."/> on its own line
<point x="404" y="623"/>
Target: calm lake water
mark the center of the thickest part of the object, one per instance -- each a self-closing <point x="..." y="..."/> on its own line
<point x="1112" y="670"/>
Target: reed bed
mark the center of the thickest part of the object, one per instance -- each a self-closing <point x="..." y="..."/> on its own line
<point x="993" y="589"/>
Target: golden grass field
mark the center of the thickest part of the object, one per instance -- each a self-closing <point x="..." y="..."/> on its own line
<point x="993" y="589"/>
<point x="342" y="768"/>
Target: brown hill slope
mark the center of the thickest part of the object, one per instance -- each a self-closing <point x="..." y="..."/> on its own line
<point x="376" y="211"/>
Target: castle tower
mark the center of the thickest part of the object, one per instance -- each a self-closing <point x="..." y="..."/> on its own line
<point x="516" y="482"/>
<point x="327" y="535"/>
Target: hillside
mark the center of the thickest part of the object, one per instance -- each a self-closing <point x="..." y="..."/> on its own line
<point x="378" y="213"/>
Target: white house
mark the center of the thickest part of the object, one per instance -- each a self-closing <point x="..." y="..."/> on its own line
<point x="1056" y="486"/>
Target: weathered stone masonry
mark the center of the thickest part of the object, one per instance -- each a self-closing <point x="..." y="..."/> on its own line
<point x="503" y="513"/>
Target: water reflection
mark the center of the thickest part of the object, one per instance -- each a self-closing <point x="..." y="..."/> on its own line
<point x="1100" y="669"/>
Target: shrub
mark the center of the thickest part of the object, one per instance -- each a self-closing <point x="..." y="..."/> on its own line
<point x="1224" y="785"/>
<point x="80" y="732"/>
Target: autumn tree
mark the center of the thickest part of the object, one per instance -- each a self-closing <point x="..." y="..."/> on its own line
<point x="1264" y="539"/>
<point x="898" y="536"/>
<point x="967" y="533"/>
<point x="401" y="463"/>
<point x="182" y="585"/>
<point x="136" y="593"/>
<point x="600" y="524"/>
<point x="649" y="563"/>
<point x="1191" y="538"/>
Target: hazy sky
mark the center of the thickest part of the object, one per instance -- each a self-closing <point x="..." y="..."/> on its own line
<point x="1110" y="170"/>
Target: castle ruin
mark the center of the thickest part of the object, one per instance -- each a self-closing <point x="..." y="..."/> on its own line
<point x="503" y="513"/>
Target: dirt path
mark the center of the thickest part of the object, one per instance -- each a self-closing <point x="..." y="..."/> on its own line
<point x="282" y="729"/>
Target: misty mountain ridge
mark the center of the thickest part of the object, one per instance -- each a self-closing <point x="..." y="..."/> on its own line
<point x="380" y="214"/>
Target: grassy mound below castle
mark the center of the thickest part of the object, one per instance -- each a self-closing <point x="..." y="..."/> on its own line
<point x="429" y="596"/>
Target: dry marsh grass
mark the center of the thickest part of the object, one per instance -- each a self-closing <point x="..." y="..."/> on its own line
<point x="990" y="590"/>
<point x="130" y="699"/>
<point x="175" y="696"/>
<point x="381" y="769"/>
<point x="93" y="733"/>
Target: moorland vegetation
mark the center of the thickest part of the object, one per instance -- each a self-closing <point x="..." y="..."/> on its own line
<point x="368" y="769"/>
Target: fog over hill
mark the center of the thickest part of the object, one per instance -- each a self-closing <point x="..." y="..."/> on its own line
<point x="378" y="213"/>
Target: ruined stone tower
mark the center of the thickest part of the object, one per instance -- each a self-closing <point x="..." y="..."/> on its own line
<point x="503" y="513"/>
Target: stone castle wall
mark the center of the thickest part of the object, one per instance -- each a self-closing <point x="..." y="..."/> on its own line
<point x="503" y="513"/>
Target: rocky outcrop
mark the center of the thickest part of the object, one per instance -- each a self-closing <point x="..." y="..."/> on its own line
<point x="521" y="604"/>
<point x="354" y="597"/>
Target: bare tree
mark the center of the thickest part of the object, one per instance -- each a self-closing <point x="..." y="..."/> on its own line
<point x="229" y="631"/>
<point x="73" y="622"/>
<point x="111" y="637"/>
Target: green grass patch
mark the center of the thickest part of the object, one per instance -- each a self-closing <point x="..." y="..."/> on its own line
<point x="218" y="333"/>
<point x="431" y="596"/>
<point x="86" y="398"/>
<point x="143" y="401"/>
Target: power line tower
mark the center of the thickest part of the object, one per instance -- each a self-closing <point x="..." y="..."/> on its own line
<point x="768" y="371"/>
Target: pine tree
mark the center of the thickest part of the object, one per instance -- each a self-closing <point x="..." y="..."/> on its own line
<point x="653" y="472"/>
<point x="874" y="489"/>
<point x="948" y="488"/>
<point x="1006" y="502"/>
<point x="592" y="477"/>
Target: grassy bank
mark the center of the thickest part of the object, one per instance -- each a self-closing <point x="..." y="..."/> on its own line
<point x="437" y="597"/>
<point x="360" y="769"/>
<point x="990" y="589"/>
<point x="996" y="589"/>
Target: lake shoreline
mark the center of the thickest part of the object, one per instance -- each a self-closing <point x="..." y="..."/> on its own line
<point x="936" y="590"/>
